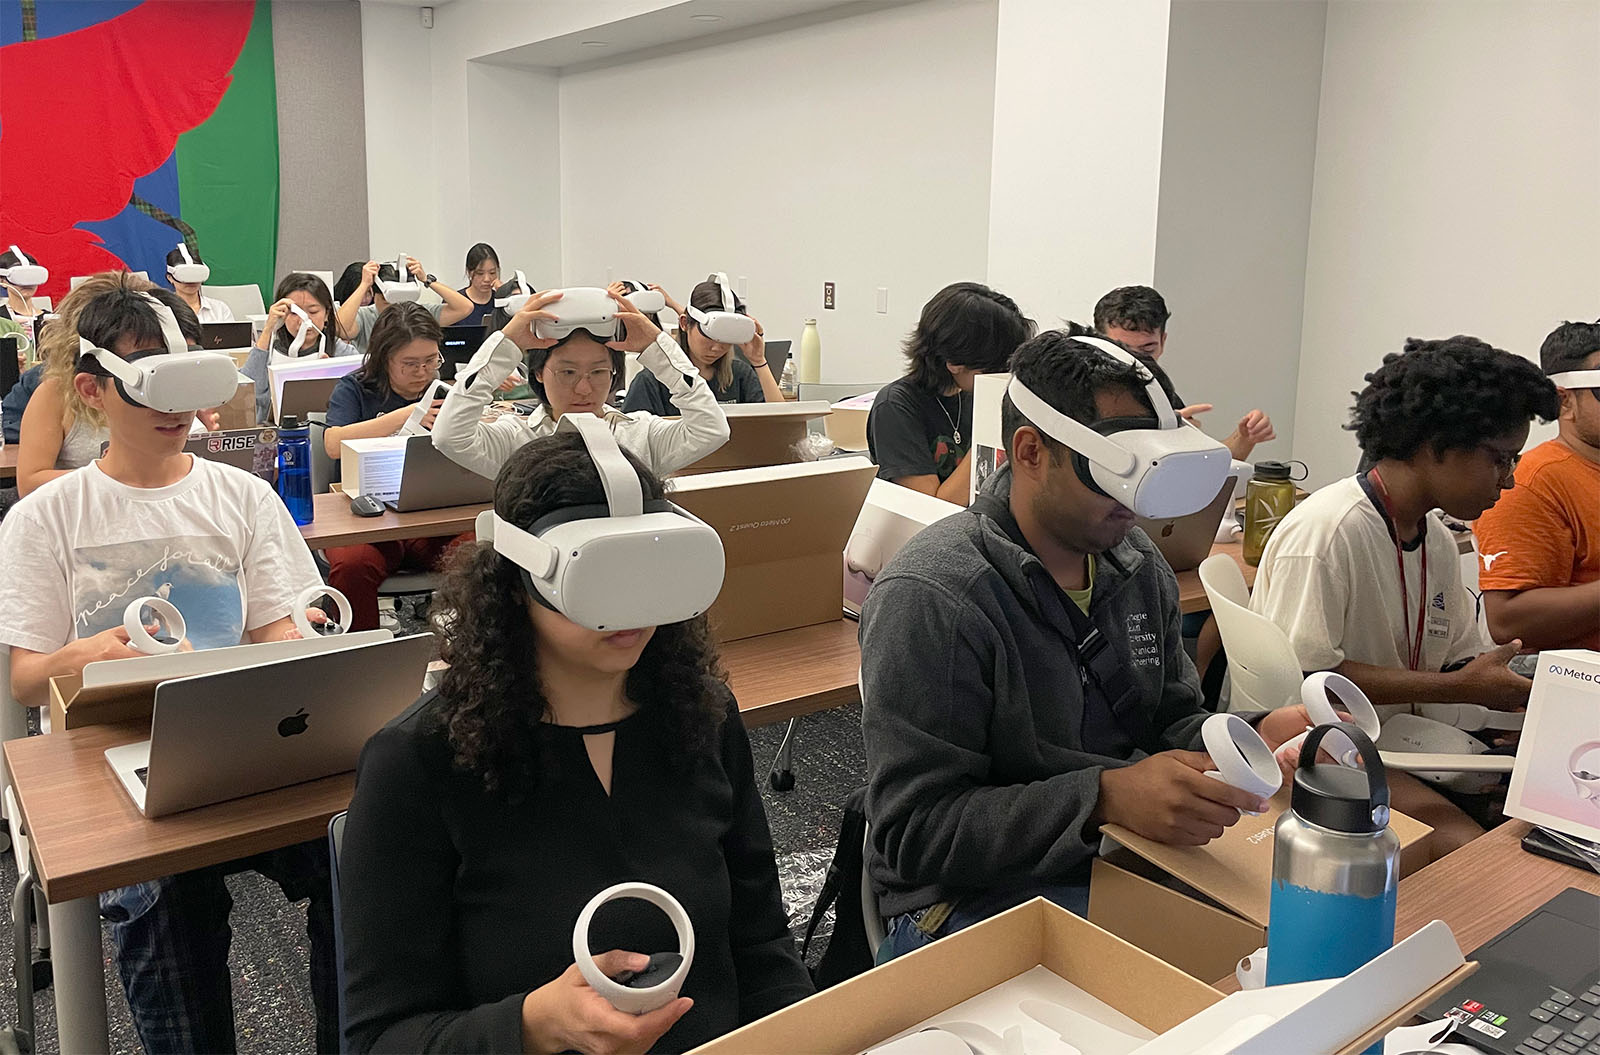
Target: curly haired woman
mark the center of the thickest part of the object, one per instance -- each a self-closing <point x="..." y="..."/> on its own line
<point x="552" y="762"/>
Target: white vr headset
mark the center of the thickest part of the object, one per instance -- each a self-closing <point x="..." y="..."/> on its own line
<point x="622" y="566"/>
<point x="645" y="300"/>
<point x="406" y="290"/>
<point x="188" y="271"/>
<point x="513" y="303"/>
<point x="175" y="381"/>
<point x="26" y="273"/>
<point x="729" y="327"/>
<point x="307" y="328"/>
<point x="581" y="308"/>
<point x="1567" y="379"/>
<point x="1585" y="778"/>
<point x="1158" y="467"/>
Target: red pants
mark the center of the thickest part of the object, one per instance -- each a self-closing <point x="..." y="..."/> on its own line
<point x="357" y="571"/>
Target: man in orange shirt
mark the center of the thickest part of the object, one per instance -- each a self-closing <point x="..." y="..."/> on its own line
<point x="1540" y="544"/>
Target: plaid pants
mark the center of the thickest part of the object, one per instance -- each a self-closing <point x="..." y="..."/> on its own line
<point x="172" y="937"/>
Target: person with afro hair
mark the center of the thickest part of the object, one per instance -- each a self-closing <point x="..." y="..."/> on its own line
<point x="1366" y="579"/>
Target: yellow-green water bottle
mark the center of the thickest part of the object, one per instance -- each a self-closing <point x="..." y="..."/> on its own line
<point x="1268" y="497"/>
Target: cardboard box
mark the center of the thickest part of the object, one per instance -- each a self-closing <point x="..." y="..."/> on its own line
<point x="783" y="530"/>
<point x="875" y="1006"/>
<point x="891" y="516"/>
<point x="1553" y="782"/>
<point x="847" y="425"/>
<point x="240" y="411"/>
<point x="373" y="466"/>
<point x="1200" y="908"/>
<point x="760" y="434"/>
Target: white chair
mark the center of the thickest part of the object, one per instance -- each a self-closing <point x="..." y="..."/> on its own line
<point x="1266" y="672"/>
<point x="326" y="276"/>
<point x="44" y="303"/>
<point x="870" y="917"/>
<point x="243" y="301"/>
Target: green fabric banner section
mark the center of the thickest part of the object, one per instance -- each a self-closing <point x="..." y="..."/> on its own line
<point x="228" y="169"/>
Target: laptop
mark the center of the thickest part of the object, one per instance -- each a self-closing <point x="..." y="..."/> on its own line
<point x="221" y="736"/>
<point x="430" y="480"/>
<point x="777" y="355"/>
<point x="1187" y="540"/>
<point x="1537" y="987"/>
<point x="216" y="336"/>
<point x="253" y="450"/>
<point x="460" y="344"/>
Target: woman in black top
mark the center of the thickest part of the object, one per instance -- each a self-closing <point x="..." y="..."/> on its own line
<point x="919" y="430"/>
<point x="483" y="275"/>
<point x="733" y="378"/>
<point x="553" y="762"/>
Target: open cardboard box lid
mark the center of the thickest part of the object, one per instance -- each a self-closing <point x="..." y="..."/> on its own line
<point x="874" y="1006"/>
<point x="1236" y="870"/>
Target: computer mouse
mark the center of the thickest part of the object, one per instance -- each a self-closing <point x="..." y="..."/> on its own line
<point x="366" y="506"/>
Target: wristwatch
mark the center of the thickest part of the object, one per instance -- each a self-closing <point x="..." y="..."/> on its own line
<point x="430" y="280"/>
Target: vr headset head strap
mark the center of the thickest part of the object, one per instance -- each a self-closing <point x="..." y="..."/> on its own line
<point x="1079" y="437"/>
<point x="1568" y="379"/>
<point x="183" y="249"/>
<point x="624" y="493"/>
<point x="1152" y="387"/>
<point x="729" y="302"/>
<point x="307" y="327"/>
<point x="23" y="258"/>
<point x="129" y="373"/>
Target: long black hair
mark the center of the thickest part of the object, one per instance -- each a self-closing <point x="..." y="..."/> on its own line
<point x="965" y="324"/>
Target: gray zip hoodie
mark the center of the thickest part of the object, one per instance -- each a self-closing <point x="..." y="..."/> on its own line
<point x="974" y="711"/>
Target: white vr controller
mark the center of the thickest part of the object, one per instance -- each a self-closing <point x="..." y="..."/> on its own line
<point x="437" y="390"/>
<point x="303" y="623"/>
<point x="172" y="628"/>
<point x="1585" y="780"/>
<point x="189" y="270"/>
<point x="1242" y="758"/>
<point x="728" y="326"/>
<point x="26" y="272"/>
<point x="1314" y="694"/>
<point x="405" y="291"/>
<point x="644" y="991"/>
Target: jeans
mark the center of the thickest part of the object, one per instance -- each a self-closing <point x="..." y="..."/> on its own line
<point x="905" y="932"/>
<point x="172" y="937"/>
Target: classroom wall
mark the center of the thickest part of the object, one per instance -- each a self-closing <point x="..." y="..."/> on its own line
<point x="398" y="144"/>
<point x="1237" y="152"/>
<point x="322" y="165"/>
<point x="857" y="152"/>
<point x="514" y="172"/>
<point x="1455" y="191"/>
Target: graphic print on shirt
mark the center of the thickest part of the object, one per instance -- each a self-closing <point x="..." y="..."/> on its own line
<point x="1490" y="558"/>
<point x="196" y="573"/>
<point x="1438" y="617"/>
<point x="1142" y="644"/>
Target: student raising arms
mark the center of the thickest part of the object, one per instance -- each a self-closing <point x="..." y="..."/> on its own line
<point x="188" y="273"/>
<point x="401" y="363"/>
<point x="357" y="316"/>
<point x="301" y="301"/>
<point x="577" y="374"/>
<point x="483" y="275"/>
<point x="732" y="379"/>
<point x="553" y="762"/>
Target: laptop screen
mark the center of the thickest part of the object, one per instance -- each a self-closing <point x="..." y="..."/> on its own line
<point x="460" y="344"/>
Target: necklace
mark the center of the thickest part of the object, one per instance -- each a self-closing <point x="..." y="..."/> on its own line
<point x="955" y="430"/>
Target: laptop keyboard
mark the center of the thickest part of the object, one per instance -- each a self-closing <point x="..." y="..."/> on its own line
<point x="143" y="773"/>
<point x="1571" y="1025"/>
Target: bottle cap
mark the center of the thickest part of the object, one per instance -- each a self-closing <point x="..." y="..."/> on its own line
<point x="1272" y="471"/>
<point x="1354" y="801"/>
<point x="289" y="422"/>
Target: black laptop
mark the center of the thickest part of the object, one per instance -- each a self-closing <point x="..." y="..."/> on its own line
<point x="460" y="344"/>
<point x="216" y="336"/>
<point x="1537" y="987"/>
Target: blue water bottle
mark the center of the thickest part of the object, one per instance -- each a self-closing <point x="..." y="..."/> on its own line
<point x="294" y="469"/>
<point x="1335" y="867"/>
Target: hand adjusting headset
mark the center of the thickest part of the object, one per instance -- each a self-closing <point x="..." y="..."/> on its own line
<point x="728" y="326"/>
<point x="171" y="628"/>
<point x="403" y="291"/>
<point x="625" y="565"/>
<point x="173" y="381"/>
<point x="188" y="271"/>
<point x="26" y="272"/>
<point x="1157" y="466"/>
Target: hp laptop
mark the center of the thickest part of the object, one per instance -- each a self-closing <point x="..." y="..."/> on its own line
<point x="253" y="450"/>
<point x="430" y="480"/>
<point x="222" y="736"/>
<point x="216" y="336"/>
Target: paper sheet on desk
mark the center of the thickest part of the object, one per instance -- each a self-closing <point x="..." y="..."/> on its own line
<point x="379" y="465"/>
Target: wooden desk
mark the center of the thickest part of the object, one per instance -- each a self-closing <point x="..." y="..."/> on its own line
<point x="86" y="836"/>
<point x="8" y="463"/>
<point x="780" y="676"/>
<point x="335" y="525"/>
<point x="1192" y="594"/>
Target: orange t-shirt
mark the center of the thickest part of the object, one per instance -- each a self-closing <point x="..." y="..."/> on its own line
<point x="1546" y="530"/>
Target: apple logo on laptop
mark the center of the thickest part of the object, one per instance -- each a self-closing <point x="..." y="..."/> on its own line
<point x="293" y="725"/>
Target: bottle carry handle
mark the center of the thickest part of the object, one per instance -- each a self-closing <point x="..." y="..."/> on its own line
<point x="1377" y="779"/>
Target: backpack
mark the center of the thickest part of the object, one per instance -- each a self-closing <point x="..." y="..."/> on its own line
<point x="848" y="952"/>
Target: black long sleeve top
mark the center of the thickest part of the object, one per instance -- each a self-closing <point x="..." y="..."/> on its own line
<point x="457" y="902"/>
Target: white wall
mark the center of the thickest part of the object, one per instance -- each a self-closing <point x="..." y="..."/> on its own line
<point x="402" y="165"/>
<point x="513" y="198"/>
<point x="1238" y="147"/>
<point x="858" y="153"/>
<point x="1457" y="190"/>
<point x="1076" y="160"/>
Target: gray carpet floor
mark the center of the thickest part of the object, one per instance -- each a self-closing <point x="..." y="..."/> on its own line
<point x="271" y="995"/>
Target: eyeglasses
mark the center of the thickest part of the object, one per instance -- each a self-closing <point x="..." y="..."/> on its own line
<point x="599" y="380"/>
<point x="419" y="366"/>
<point x="1504" y="461"/>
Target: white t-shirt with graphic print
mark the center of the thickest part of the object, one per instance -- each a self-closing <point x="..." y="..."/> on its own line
<point x="1329" y="578"/>
<point x="218" y="544"/>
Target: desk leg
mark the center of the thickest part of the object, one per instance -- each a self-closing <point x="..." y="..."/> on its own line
<point x="80" y="981"/>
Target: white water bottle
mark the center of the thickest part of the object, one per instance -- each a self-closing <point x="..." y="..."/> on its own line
<point x="810" y="354"/>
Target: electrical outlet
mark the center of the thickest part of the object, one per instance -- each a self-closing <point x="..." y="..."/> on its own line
<point x="883" y="300"/>
<point x="427" y="17"/>
<point x="827" y="295"/>
<point x="743" y="288"/>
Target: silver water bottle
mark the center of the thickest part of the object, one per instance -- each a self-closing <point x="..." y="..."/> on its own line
<point x="1335" y="867"/>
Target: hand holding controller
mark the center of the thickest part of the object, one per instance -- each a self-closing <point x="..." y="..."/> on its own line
<point x="170" y="626"/>
<point x="637" y="992"/>
<point x="1242" y="758"/>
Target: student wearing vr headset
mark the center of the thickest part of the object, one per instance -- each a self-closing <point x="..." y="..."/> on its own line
<point x="1061" y="698"/>
<point x="299" y="324"/>
<point x="575" y="340"/>
<point x="147" y="518"/>
<point x="1136" y="317"/>
<point x="712" y="333"/>
<point x="188" y="273"/>
<point x="582" y="736"/>
<point x="1540" y="544"/>
<point x="401" y="365"/>
<point x="357" y="315"/>
<point x="1366" y="581"/>
<point x="483" y="275"/>
<point x="21" y="276"/>
<point x="919" y="430"/>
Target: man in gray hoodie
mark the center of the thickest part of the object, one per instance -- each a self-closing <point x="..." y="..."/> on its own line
<point x="1024" y="680"/>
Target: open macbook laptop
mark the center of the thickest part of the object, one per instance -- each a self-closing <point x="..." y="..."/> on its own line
<point x="237" y="732"/>
<point x="430" y="480"/>
<point x="1187" y="540"/>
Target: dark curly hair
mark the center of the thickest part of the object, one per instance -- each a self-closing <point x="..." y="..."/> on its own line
<point x="1137" y="308"/>
<point x="965" y="324"/>
<point x="490" y="698"/>
<point x="1451" y="394"/>
<point x="1568" y="345"/>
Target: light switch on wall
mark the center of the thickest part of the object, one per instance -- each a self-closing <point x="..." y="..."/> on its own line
<point x="744" y="284"/>
<point x="883" y="300"/>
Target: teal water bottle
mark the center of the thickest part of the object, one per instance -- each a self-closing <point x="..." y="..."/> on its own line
<point x="294" y="469"/>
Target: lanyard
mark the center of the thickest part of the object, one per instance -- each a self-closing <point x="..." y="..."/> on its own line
<point x="1413" y="642"/>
